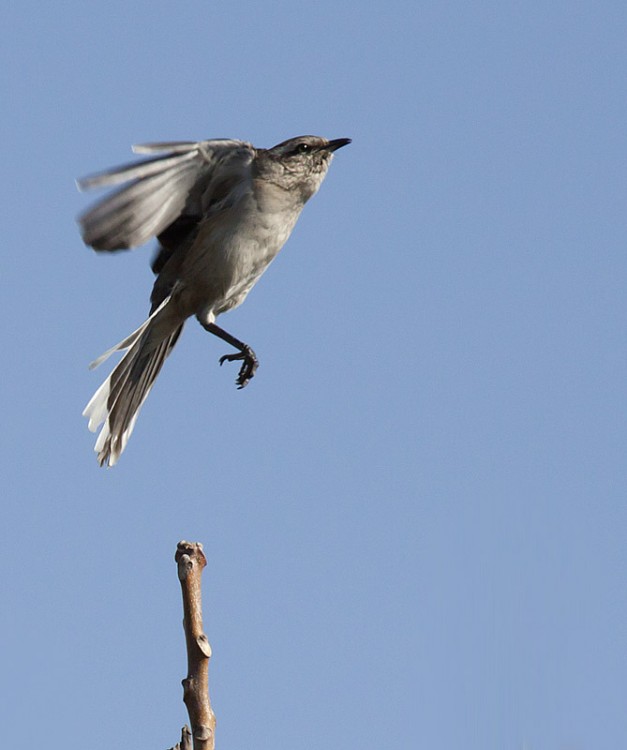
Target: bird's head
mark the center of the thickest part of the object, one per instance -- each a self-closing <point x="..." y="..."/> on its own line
<point x="299" y="164"/>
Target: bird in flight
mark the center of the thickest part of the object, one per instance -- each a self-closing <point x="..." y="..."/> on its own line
<point x="221" y="210"/>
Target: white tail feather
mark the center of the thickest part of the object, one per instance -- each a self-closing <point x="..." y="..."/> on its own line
<point x="118" y="400"/>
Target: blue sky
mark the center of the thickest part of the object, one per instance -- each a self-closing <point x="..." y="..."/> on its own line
<point x="414" y="516"/>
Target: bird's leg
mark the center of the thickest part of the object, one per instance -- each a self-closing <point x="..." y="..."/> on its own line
<point x="250" y="363"/>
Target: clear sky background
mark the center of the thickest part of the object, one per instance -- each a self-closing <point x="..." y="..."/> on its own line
<point x="415" y="515"/>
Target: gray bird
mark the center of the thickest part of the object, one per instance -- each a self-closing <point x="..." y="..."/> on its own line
<point x="221" y="211"/>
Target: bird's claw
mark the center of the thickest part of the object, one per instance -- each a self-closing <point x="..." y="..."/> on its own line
<point x="249" y="365"/>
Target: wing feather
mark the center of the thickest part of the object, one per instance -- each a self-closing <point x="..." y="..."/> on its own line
<point x="158" y="190"/>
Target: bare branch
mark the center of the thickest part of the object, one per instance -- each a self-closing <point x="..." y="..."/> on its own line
<point x="191" y="560"/>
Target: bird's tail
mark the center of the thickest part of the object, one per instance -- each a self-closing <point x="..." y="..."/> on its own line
<point x="118" y="400"/>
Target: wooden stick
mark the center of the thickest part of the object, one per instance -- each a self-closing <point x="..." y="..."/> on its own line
<point x="191" y="560"/>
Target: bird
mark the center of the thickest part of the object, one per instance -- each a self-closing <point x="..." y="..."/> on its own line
<point x="221" y="210"/>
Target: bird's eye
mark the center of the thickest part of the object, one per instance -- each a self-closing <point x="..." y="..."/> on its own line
<point x="302" y="148"/>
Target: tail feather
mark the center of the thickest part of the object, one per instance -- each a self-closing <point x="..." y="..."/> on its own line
<point x="119" y="399"/>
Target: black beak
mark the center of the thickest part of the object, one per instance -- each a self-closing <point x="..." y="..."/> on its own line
<point x="337" y="143"/>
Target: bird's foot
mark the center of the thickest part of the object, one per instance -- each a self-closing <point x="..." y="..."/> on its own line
<point x="249" y="365"/>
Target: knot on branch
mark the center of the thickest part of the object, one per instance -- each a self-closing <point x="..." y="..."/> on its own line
<point x="203" y="733"/>
<point x="203" y="644"/>
<point x="188" y="686"/>
<point x="185" y="566"/>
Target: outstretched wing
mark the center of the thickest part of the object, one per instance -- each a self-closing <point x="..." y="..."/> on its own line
<point x="160" y="190"/>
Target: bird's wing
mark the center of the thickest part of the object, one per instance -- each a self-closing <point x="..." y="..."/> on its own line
<point x="159" y="190"/>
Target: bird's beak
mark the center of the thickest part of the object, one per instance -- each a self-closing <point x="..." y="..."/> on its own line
<point x="337" y="143"/>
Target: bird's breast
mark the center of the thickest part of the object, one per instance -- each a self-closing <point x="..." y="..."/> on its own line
<point x="230" y="253"/>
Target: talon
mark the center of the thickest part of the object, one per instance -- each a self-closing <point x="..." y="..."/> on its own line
<point x="249" y="365"/>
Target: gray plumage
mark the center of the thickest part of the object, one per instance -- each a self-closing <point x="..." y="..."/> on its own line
<point x="221" y="210"/>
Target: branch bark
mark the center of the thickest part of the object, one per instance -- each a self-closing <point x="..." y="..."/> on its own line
<point x="190" y="560"/>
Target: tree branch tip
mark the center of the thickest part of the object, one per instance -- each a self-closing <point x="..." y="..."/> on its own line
<point x="189" y="548"/>
<point x="185" y="743"/>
